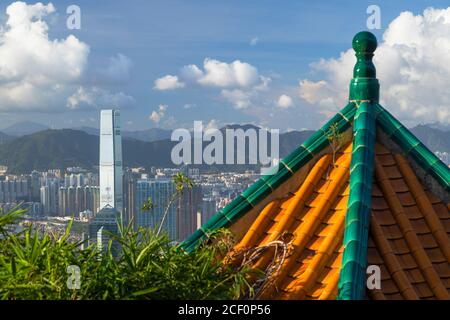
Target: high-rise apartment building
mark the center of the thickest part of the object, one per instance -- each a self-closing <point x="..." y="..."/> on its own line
<point x="35" y="186"/>
<point x="49" y="197"/>
<point x="73" y="200"/>
<point x="208" y="209"/>
<point x="14" y="190"/>
<point x="129" y="191"/>
<point x="188" y="205"/>
<point x="160" y="191"/>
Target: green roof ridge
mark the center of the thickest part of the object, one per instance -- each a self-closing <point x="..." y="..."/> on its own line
<point x="266" y="184"/>
<point x="413" y="147"/>
<point x="351" y="284"/>
<point x="364" y="88"/>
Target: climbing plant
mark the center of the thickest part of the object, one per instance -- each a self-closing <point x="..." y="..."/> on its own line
<point x="335" y="139"/>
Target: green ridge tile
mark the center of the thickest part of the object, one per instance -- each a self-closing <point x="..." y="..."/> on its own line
<point x="357" y="218"/>
<point x="412" y="146"/>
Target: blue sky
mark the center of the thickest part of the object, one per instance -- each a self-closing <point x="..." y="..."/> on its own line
<point x="158" y="38"/>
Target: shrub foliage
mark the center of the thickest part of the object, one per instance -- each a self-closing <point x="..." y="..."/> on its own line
<point x="33" y="265"/>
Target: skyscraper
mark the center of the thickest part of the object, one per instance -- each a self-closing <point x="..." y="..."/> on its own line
<point x="189" y="204"/>
<point x="208" y="209"/>
<point x="160" y="191"/>
<point x="129" y="196"/>
<point x="49" y="197"/>
<point x="111" y="187"/>
<point x="111" y="178"/>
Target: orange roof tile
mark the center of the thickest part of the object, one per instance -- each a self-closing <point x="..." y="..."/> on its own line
<point x="313" y="219"/>
<point x="410" y="245"/>
<point x="409" y="237"/>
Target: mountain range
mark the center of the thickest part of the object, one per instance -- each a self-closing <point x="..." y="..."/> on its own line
<point x="63" y="148"/>
<point x="23" y="128"/>
<point x="27" y="127"/>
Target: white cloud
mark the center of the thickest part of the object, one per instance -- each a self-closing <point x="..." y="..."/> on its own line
<point x="254" y="41"/>
<point x="155" y="117"/>
<point x="215" y="73"/>
<point x="93" y="97"/>
<point x="412" y="67"/>
<point x="264" y="85"/>
<point x="239" y="99"/>
<point x="285" y="102"/>
<point x="36" y="72"/>
<point x="168" y="82"/>
<point x="226" y="75"/>
<point x="42" y="74"/>
<point x="191" y="73"/>
<point x="158" y="114"/>
<point x="239" y="81"/>
<point x="118" y="68"/>
<point x="312" y="91"/>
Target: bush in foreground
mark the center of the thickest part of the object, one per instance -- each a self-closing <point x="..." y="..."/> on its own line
<point x="33" y="265"/>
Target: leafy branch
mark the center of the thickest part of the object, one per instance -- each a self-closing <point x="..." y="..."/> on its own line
<point x="335" y="139"/>
<point x="181" y="182"/>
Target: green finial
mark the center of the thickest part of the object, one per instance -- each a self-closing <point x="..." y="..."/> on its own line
<point x="364" y="85"/>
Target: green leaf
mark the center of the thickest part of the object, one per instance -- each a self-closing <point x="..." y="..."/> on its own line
<point x="145" y="291"/>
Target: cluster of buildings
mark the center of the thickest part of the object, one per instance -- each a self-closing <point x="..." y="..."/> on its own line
<point x="55" y="194"/>
<point x="193" y="208"/>
<point x="98" y="199"/>
<point x="50" y="193"/>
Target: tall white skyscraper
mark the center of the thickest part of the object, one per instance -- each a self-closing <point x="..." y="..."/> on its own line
<point x="111" y="188"/>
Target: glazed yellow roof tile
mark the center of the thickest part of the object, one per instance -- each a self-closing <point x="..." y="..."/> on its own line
<point x="313" y="217"/>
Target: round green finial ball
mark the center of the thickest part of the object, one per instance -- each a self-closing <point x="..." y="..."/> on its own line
<point x="364" y="42"/>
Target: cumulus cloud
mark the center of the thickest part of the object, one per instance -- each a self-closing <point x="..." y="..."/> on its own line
<point x="93" y="97"/>
<point x="118" y="68"/>
<point x="284" y="102"/>
<point x="191" y="73"/>
<point x="238" y="98"/>
<point x="237" y="81"/>
<point x="42" y="74"/>
<point x="411" y="62"/>
<point x="158" y="114"/>
<point x="215" y="73"/>
<point x="225" y="75"/>
<point x="168" y="82"/>
<point x="34" y="69"/>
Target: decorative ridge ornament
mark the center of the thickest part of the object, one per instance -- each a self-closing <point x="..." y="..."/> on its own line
<point x="364" y="86"/>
